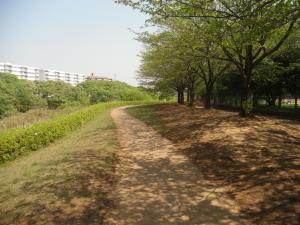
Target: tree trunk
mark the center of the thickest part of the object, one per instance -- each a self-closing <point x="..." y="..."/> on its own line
<point x="192" y="96"/>
<point x="245" y="94"/>
<point x="296" y="102"/>
<point x="181" y="97"/>
<point x="178" y="96"/>
<point x="246" y="72"/>
<point x="279" y="101"/>
<point x="207" y="104"/>
<point x="208" y="93"/>
<point x="255" y="101"/>
<point x="271" y="101"/>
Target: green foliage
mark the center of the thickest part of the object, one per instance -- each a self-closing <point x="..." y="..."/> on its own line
<point x="15" y="142"/>
<point x="7" y="107"/>
<point x="247" y="106"/>
<point x="21" y="120"/>
<point x="15" y="95"/>
<point x="56" y="93"/>
<point x="105" y="91"/>
<point x="212" y="33"/>
<point x="268" y="81"/>
<point x="20" y="95"/>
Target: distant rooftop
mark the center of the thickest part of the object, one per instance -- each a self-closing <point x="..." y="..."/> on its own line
<point x="98" y="77"/>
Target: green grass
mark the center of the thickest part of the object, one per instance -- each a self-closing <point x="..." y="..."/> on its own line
<point x="147" y="114"/>
<point x="64" y="183"/>
<point x="17" y="142"/>
<point x="22" y="120"/>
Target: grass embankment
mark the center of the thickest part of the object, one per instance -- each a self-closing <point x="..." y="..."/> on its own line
<point x="148" y="116"/>
<point x="22" y="120"/>
<point x="64" y="183"/>
<point x="254" y="160"/>
<point x="16" y="142"/>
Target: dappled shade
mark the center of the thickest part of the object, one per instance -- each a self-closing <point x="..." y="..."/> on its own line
<point x="157" y="185"/>
<point x="255" y="161"/>
<point x="66" y="183"/>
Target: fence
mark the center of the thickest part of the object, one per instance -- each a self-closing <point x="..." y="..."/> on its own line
<point x="286" y="107"/>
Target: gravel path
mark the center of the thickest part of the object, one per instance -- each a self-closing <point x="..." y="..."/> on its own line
<point x="158" y="185"/>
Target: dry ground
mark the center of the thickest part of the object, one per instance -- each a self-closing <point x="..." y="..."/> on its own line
<point x="64" y="183"/>
<point x="159" y="185"/>
<point x="255" y="161"/>
<point x="235" y="171"/>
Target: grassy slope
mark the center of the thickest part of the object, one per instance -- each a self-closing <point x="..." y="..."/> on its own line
<point x="33" y="116"/>
<point x="146" y="114"/>
<point x="65" y="183"/>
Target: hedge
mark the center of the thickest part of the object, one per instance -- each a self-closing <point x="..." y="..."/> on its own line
<point x="15" y="142"/>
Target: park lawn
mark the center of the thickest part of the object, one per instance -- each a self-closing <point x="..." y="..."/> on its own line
<point x="256" y="161"/>
<point x="64" y="183"/>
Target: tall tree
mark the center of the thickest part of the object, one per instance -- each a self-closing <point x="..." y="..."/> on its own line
<point x="162" y="64"/>
<point x="248" y="31"/>
<point x="268" y="82"/>
<point x="182" y="42"/>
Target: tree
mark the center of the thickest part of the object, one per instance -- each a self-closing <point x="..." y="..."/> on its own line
<point x="104" y="91"/>
<point x="56" y="93"/>
<point x="179" y="47"/>
<point x="15" y="95"/>
<point x="268" y="82"/>
<point x="162" y="63"/>
<point x="289" y="59"/>
<point x="293" y="81"/>
<point x="201" y="54"/>
<point x="228" y="88"/>
<point x="210" y="70"/>
<point x="247" y="31"/>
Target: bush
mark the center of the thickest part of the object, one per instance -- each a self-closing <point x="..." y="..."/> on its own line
<point x="15" y="142"/>
<point x="104" y="91"/>
<point x="21" y="95"/>
<point x="70" y="105"/>
<point x="15" y="95"/>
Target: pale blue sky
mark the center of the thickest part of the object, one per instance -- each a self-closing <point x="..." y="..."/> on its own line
<point x="81" y="36"/>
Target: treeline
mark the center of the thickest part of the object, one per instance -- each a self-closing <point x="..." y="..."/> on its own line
<point x="244" y="50"/>
<point x="21" y="95"/>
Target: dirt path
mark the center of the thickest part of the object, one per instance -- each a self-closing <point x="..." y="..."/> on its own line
<point x="157" y="185"/>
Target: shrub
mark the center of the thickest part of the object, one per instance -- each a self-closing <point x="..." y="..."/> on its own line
<point x="15" y="95"/>
<point x="15" y="142"/>
<point x="104" y="91"/>
<point x="247" y="106"/>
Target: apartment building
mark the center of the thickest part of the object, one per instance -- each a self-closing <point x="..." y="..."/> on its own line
<point x="32" y="73"/>
<point x="97" y="77"/>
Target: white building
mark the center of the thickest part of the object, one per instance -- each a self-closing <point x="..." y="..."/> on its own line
<point x="97" y="77"/>
<point x="31" y="73"/>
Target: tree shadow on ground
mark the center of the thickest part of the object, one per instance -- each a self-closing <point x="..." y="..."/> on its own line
<point x="159" y="185"/>
<point x="256" y="159"/>
<point x="73" y="198"/>
<point x="69" y="189"/>
<point x="168" y="194"/>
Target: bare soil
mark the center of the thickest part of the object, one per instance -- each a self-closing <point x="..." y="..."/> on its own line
<point x="156" y="184"/>
<point x="255" y="161"/>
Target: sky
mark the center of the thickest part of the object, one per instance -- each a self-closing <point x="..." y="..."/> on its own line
<point x="80" y="36"/>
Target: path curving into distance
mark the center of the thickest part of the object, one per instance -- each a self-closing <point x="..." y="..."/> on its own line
<point x="158" y="185"/>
